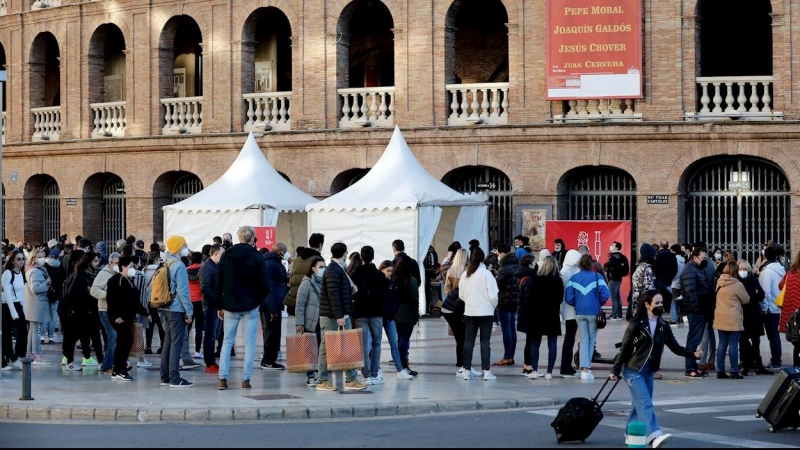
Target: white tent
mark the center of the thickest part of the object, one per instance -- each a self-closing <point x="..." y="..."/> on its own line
<point x="250" y="192"/>
<point x="399" y="199"/>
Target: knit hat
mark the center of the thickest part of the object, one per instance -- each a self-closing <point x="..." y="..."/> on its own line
<point x="175" y="244"/>
<point x="647" y="251"/>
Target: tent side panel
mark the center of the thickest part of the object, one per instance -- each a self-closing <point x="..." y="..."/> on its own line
<point x="198" y="228"/>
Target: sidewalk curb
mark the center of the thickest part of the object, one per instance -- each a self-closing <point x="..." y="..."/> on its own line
<point x="289" y="413"/>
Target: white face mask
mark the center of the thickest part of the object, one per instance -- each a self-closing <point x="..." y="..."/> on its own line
<point x="612" y="249"/>
<point x="743" y="274"/>
<point x="40" y="261"/>
<point x="320" y="272"/>
<point x="184" y="252"/>
<point x="131" y="272"/>
<point x="762" y="252"/>
<point x="718" y="256"/>
<point x="287" y="255"/>
<point x="115" y="268"/>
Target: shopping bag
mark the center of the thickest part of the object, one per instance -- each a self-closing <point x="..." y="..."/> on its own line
<point x="302" y="352"/>
<point x="780" y="297"/>
<point x="345" y="349"/>
<point x="138" y="340"/>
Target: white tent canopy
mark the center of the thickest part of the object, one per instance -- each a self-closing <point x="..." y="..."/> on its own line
<point x="399" y="199"/>
<point x="250" y="192"/>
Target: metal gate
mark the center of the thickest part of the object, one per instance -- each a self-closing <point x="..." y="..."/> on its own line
<point x="738" y="204"/>
<point x="113" y="211"/>
<point x="186" y="187"/>
<point x="603" y="193"/>
<point x="498" y="187"/>
<point x="52" y="210"/>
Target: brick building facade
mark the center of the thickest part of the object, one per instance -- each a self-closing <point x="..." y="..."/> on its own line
<point x="115" y="109"/>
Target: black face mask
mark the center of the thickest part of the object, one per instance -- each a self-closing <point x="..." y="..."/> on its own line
<point x="658" y="311"/>
<point x="704" y="264"/>
<point x="226" y="244"/>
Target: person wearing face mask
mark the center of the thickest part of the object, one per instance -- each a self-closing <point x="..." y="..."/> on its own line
<point x="307" y="318"/>
<point x="750" y="339"/>
<point x="696" y="290"/>
<point x="640" y="358"/>
<point x="730" y="296"/>
<point x="271" y="309"/>
<point x="177" y="315"/>
<point x="368" y="311"/>
<point x="53" y="267"/>
<point x="301" y="265"/>
<point x="79" y="312"/>
<point x="210" y="304"/>
<point x="772" y="273"/>
<point x="227" y="241"/>
<point x="99" y="291"/>
<point x="37" y="307"/>
<point x="123" y="301"/>
<point x="559" y="252"/>
<point x="761" y="259"/>
<point x="616" y="268"/>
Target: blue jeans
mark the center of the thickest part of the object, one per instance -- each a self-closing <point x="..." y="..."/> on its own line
<point x="174" y="333"/>
<point x="49" y="328"/>
<point x="728" y="342"/>
<point x="111" y="342"/>
<point x="697" y="323"/>
<point x="390" y="327"/>
<point x="552" y="350"/>
<point x="404" y="333"/>
<point x="641" y="386"/>
<point x="212" y="322"/>
<point x="231" y="322"/>
<point x="673" y="309"/>
<point x="616" y="300"/>
<point x="771" y="322"/>
<point x="372" y="331"/>
<point x="508" y="323"/>
<point x="709" y="343"/>
<point x="587" y="325"/>
<point x="329" y="324"/>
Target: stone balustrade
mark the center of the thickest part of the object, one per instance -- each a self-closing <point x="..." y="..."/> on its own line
<point x="604" y="109"/>
<point x="109" y="119"/>
<point x="44" y="4"/>
<point x="46" y="123"/>
<point x="476" y="103"/>
<point x="268" y="111"/>
<point x="745" y="98"/>
<point x="365" y="107"/>
<point x="182" y="115"/>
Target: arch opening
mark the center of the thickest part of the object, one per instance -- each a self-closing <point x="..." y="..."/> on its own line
<point x="42" y="209"/>
<point x="171" y="187"/>
<point x="104" y="198"/>
<point x="45" y="73"/>
<point x="365" y="48"/>
<point x="181" y="58"/>
<point x="497" y="186"/>
<point x="346" y="179"/>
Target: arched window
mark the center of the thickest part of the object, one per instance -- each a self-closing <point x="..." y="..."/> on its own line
<point x="45" y="86"/>
<point x="181" y="75"/>
<point x="497" y="186"/>
<point x="107" y="69"/>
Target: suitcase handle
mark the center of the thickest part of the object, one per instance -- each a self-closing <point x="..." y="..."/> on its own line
<point x="609" y="392"/>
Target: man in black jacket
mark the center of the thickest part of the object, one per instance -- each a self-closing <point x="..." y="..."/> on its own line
<point x="242" y="285"/>
<point x="272" y="308"/>
<point x="372" y="285"/>
<point x="399" y="250"/>
<point x="208" y="287"/>
<point x="335" y="309"/>
<point x="616" y="268"/>
<point x="696" y="289"/>
<point x="664" y="270"/>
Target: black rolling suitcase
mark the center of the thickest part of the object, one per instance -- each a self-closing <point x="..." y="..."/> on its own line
<point x="578" y="418"/>
<point x="781" y="406"/>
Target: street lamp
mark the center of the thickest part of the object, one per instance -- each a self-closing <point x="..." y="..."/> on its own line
<point x="3" y="75"/>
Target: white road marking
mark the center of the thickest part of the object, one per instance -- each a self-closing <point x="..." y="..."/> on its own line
<point x="746" y="418"/>
<point x="713" y="409"/>
<point x="723" y="441"/>
<point x="695" y="400"/>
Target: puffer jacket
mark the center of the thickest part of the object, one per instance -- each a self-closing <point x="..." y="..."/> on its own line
<point x="307" y="309"/>
<point x="753" y="323"/>
<point x="336" y="297"/>
<point x="731" y="295"/>
<point x="193" y="273"/>
<point x="695" y="288"/>
<point x="276" y="276"/>
<point x="638" y="345"/>
<point x="508" y="283"/>
<point x="568" y="269"/>
<point x="301" y="266"/>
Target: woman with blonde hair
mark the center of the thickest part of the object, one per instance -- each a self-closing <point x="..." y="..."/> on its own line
<point x="454" y="313"/>
<point x="37" y="307"/>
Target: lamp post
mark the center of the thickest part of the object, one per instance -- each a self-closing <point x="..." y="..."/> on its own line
<point x="3" y="75"/>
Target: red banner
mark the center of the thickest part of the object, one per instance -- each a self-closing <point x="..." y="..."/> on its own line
<point x="598" y="236"/>
<point x="594" y="49"/>
<point x="265" y="237"/>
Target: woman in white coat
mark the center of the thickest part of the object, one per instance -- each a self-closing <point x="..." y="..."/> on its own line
<point x="478" y="289"/>
<point x="37" y="307"/>
<point x="569" y="269"/>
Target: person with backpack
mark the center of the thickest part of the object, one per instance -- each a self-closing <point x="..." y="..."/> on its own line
<point x="123" y="303"/>
<point x="453" y="308"/>
<point x="790" y="307"/>
<point x="640" y="358"/>
<point x="170" y="293"/>
<point x="13" y="281"/>
<point x="37" y="304"/>
<point x="79" y="312"/>
<point x="616" y="268"/>
<point x="98" y="291"/>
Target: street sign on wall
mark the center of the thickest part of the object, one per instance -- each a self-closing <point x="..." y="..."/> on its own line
<point x="594" y="49"/>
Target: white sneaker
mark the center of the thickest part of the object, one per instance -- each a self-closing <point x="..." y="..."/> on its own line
<point x="468" y="375"/>
<point x="17" y="364"/>
<point x="144" y="363"/>
<point x="661" y="440"/>
<point x="487" y="375"/>
<point x="376" y="380"/>
<point x="73" y="367"/>
<point x="360" y="377"/>
<point x="380" y="374"/>
<point x="460" y="372"/>
<point x="534" y="375"/>
<point x="475" y="373"/>
<point x="548" y="376"/>
<point x="587" y="376"/>
<point x="404" y="375"/>
<point x="198" y="355"/>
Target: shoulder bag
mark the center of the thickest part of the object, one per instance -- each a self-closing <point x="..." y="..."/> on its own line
<point x="601" y="318"/>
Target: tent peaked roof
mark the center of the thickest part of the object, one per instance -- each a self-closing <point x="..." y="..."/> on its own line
<point x="397" y="181"/>
<point x="249" y="181"/>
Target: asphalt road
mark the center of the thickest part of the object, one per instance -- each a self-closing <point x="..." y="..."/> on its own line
<point x="700" y="424"/>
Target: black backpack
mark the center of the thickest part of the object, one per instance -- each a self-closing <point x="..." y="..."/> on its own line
<point x="793" y="328"/>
